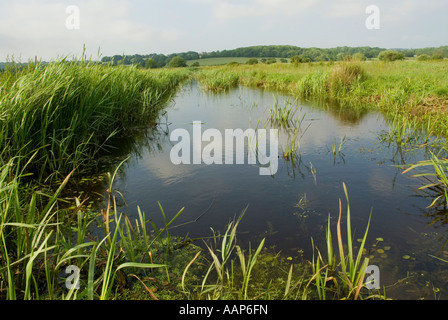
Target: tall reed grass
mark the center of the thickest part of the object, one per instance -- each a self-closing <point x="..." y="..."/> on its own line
<point x="67" y="110"/>
<point x="55" y="120"/>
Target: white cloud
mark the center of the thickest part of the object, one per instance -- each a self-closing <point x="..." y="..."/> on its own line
<point x="257" y="8"/>
<point x="29" y="28"/>
<point x="346" y="8"/>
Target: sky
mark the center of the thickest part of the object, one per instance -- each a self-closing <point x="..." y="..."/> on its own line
<point x="50" y="30"/>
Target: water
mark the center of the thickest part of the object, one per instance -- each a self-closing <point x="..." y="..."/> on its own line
<point x="215" y="194"/>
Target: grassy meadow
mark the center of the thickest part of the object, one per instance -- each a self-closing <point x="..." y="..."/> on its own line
<point x="57" y="119"/>
<point x="409" y="91"/>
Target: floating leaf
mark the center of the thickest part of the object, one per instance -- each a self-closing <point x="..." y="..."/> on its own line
<point x="379" y="239"/>
<point x="406" y="257"/>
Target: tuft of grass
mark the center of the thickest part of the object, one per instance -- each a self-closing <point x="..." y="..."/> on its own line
<point x="343" y="76"/>
<point x="436" y="181"/>
<point x="217" y="81"/>
<point x="343" y="279"/>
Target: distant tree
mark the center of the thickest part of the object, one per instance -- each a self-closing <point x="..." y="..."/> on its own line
<point x="195" y="64"/>
<point x="252" y="61"/>
<point x="177" y="62"/>
<point x="271" y="61"/>
<point x="283" y="60"/>
<point x="423" y="57"/>
<point x="305" y="59"/>
<point x="390" y="55"/>
<point x="437" y="56"/>
<point x="296" y="60"/>
<point x="150" y="63"/>
<point x="359" y="56"/>
<point x="341" y="56"/>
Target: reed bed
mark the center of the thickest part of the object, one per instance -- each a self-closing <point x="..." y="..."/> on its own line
<point x="55" y="121"/>
<point x="66" y="111"/>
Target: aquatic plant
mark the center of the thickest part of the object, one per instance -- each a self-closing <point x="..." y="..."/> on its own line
<point x="39" y="243"/>
<point x="283" y="115"/>
<point x="344" y="279"/>
<point x="436" y="181"/>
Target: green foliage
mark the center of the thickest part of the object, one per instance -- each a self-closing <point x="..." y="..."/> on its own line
<point x="252" y="61"/>
<point x="423" y="57"/>
<point x="177" y="62"/>
<point x="391" y="55"/>
<point x="299" y="59"/>
<point x="233" y="64"/>
<point x="359" y="57"/>
<point x="150" y="63"/>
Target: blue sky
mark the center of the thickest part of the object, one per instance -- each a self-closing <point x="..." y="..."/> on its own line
<point x="30" y="28"/>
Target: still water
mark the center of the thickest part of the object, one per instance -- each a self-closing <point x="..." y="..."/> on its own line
<point x="292" y="206"/>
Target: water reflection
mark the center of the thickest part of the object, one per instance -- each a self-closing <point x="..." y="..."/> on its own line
<point x="276" y="211"/>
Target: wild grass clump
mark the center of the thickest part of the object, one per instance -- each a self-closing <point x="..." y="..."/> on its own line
<point x="217" y="80"/>
<point x="66" y="111"/>
<point x="343" y="76"/>
<point x="282" y="115"/>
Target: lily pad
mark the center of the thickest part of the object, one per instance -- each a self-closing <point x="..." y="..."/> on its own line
<point x="379" y="239"/>
<point x="406" y="257"/>
<point x="380" y="251"/>
<point x="387" y="248"/>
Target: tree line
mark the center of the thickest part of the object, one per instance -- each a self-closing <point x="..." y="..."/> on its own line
<point x="155" y="60"/>
<point x="297" y="54"/>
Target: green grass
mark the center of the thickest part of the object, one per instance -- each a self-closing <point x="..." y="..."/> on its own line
<point x="406" y="90"/>
<point x="65" y="112"/>
<point x="55" y="121"/>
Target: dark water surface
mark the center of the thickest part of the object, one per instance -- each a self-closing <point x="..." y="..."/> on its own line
<point x="367" y="165"/>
